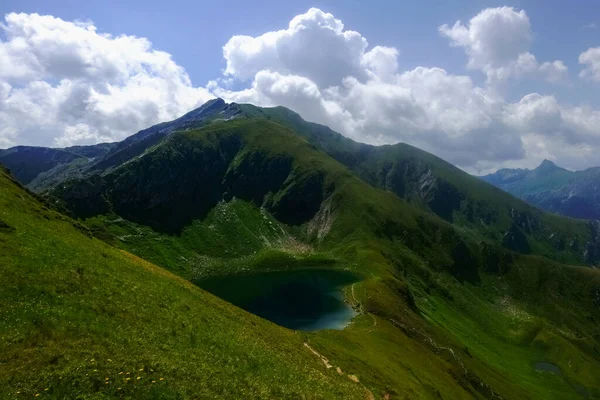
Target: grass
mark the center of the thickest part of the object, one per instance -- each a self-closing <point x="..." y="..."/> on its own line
<point x="434" y="319"/>
<point x="475" y="207"/>
<point x="81" y="319"/>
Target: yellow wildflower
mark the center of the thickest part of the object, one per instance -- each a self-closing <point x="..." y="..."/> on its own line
<point x="139" y="377"/>
<point x="161" y="379"/>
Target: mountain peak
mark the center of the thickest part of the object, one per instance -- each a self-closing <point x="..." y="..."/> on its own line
<point x="547" y="164"/>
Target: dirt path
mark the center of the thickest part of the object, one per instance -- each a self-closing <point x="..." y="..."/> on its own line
<point x="328" y="365"/>
<point x="360" y="308"/>
<point x="358" y="305"/>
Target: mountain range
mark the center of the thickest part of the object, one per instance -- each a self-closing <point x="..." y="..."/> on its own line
<point x="552" y="188"/>
<point x="457" y="289"/>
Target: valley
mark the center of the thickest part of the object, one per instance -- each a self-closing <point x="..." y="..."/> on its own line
<point x="240" y="251"/>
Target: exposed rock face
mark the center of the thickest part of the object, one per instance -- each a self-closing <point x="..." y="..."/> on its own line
<point x="412" y="179"/>
<point x="321" y="224"/>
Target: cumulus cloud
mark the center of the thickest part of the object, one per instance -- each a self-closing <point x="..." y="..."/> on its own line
<point x="315" y="45"/>
<point x="497" y="42"/>
<point x="591" y="60"/>
<point x="369" y="100"/>
<point x="75" y="85"/>
<point x="64" y="83"/>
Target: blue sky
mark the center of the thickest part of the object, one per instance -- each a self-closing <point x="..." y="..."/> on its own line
<point x="195" y="31"/>
<point x="517" y="112"/>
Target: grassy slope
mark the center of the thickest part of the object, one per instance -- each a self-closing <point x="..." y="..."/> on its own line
<point x="478" y="208"/>
<point x="399" y="246"/>
<point x="79" y="318"/>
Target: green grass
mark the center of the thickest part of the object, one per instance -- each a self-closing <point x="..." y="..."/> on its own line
<point x="434" y="318"/>
<point x="80" y="317"/>
<point x="475" y="207"/>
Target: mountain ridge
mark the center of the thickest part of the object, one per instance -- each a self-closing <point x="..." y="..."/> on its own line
<point x="457" y="287"/>
<point x="412" y="262"/>
<point x="416" y="176"/>
<point x="552" y="188"/>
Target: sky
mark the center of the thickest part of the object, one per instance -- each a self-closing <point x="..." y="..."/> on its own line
<point x="484" y="85"/>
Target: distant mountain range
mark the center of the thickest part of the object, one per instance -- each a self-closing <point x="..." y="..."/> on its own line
<point x="552" y="188"/>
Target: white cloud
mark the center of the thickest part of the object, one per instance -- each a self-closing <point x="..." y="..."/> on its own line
<point x="497" y="42"/>
<point x="449" y="115"/>
<point x="64" y="83"/>
<point x="591" y="59"/>
<point x="75" y="85"/>
<point x="315" y="45"/>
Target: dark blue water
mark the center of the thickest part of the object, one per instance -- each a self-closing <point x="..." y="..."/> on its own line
<point x="307" y="300"/>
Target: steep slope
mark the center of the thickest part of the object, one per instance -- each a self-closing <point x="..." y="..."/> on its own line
<point x="28" y="162"/>
<point x="422" y="179"/>
<point x="81" y="319"/>
<point x="571" y="193"/>
<point x="136" y="144"/>
<point x="440" y="310"/>
<point x="39" y="167"/>
<point x="463" y="200"/>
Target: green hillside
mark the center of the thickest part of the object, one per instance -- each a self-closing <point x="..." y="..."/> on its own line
<point x="474" y="207"/>
<point x="81" y="319"/>
<point x="443" y="310"/>
<point x="467" y="202"/>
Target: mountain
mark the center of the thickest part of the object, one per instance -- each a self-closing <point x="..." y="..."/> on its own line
<point x="458" y="289"/>
<point x="431" y="183"/>
<point x="571" y="193"/>
<point x="82" y="319"/>
<point x="416" y="176"/>
<point x="40" y="167"/>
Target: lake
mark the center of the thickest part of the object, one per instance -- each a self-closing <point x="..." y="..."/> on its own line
<point x="306" y="300"/>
